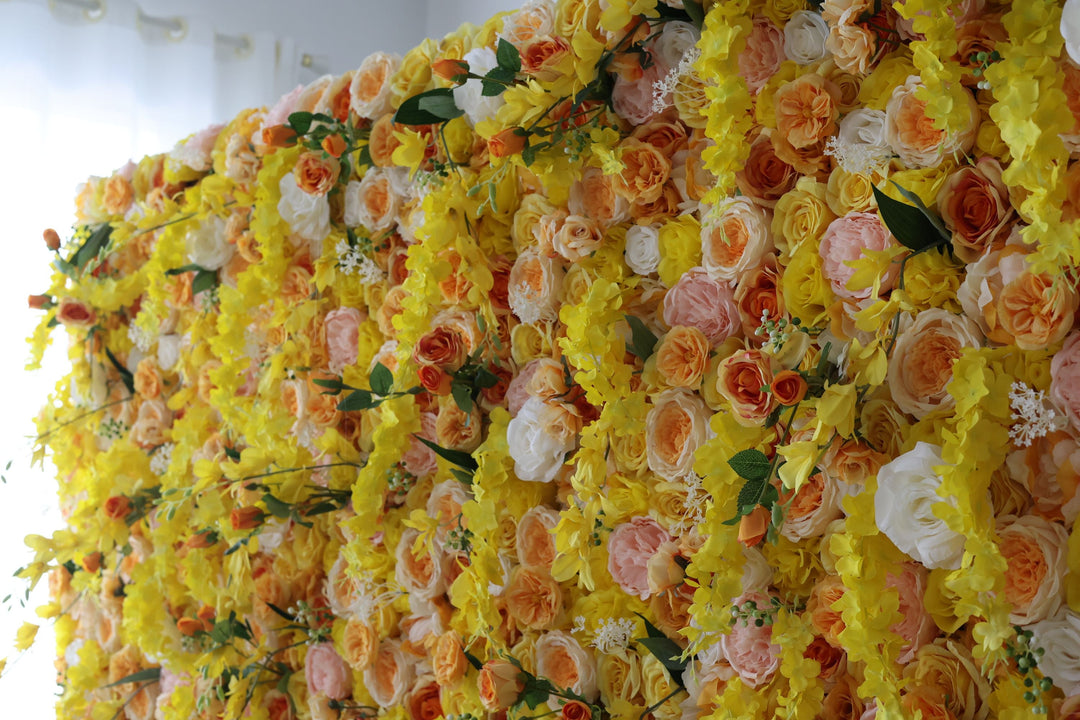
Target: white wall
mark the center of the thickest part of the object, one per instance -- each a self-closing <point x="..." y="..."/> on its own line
<point x="444" y="16"/>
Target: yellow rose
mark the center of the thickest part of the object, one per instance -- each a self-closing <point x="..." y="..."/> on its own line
<point x="877" y="87"/>
<point x="680" y="248"/>
<point x="414" y="74"/>
<point x="932" y="279"/>
<point x="529" y="342"/>
<point x="801" y="216"/>
<point x="806" y="290"/>
<point x="849" y="192"/>
<point x="657" y="685"/>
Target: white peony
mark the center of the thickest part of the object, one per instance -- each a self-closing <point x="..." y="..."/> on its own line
<point x="904" y="507"/>
<point x="469" y="97"/>
<point x="207" y="246"/>
<point x="307" y="215"/>
<point x="539" y="439"/>
<point x="1059" y="637"/>
<point x="1070" y="29"/>
<point x="804" y="37"/>
<point x="643" y="249"/>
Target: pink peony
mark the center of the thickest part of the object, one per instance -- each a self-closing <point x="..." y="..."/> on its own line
<point x="1065" y="379"/>
<point x="845" y="240"/>
<point x="342" y="337"/>
<point x="629" y="548"/>
<point x="633" y="99"/>
<point x="917" y="628"/>
<point x="702" y="302"/>
<point x="327" y="673"/>
<point x="749" y="648"/>
<point x="763" y="54"/>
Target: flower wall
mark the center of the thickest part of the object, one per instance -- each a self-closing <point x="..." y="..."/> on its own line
<point x="623" y="359"/>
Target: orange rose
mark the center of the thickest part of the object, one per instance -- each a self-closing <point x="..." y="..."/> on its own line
<point x="246" y="518"/>
<point x="744" y="379"/>
<point x="533" y="598"/>
<point x="765" y="177"/>
<point x="457" y="430"/>
<point x="659" y="210"/>
<point x="827" y="622"/>
<point x="1036" y="310"/>
<point x="423" y="702"/>
<point x="645" y="170"/>
<point x="547" y="58"/>
<point x="450" y="69"/>
<point x="442" y="346"/>
<point x="39" y="302"/>
<point x="666" y="136"/>
<point x="806" y="110"/>
<point x="534" y="540"/>
<point x="505" y="143"/>
<point x="315" y="174"/>
<point x="499" y="685"/>
<point x="974" y="203"/>
<point x="448" y="659"/>
<point x="753" y="527"/>
<point x="830" y="659"/>
<point x="359" y="642"/>
<point x="788" y="387"/>
<point x="75" y="313"/>
<point x="278" y="136"/>
<point x="117" y="507"/>
<point x="188" y="626"/>
<point x="118" y="195"/>
<point x="92" y="563"/>
<point x="334" y="145"/>
<point x="382" y="142"/>
<point x="435" y="380"/>
<point x="147" y="380"/>
<point x="681" y="356"/>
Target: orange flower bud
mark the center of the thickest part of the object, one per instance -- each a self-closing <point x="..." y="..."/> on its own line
<point x="278" y="136"/>
<point x="203" y="539"/>
<point x="52" y="239"/>
<point x="246" y="518"/>
<point x="334" y="145"/>
<point x="117" y="507"/>
<point x="505" y="143"/>
<point x="752" y="527"/>
<point x="576" y="710"/>
<point x="207" y="614"/>
<point x="92" y="562"/>
<point x="450" y="69"/>
<point x="38" y="302"/>
<point x="188" y="626"/>
<point x="788" y="387"/>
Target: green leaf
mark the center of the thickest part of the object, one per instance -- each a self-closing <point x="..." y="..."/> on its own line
<point x="473" y="660"/>
<point x="650" y="629"/>
<point x="125" y="375"/>
<point x="750" y="496"/>
<point x="411" y="113"/>
<point x="462" y="394"/>
<point x="357" y="400"/>
<point x="232" y="454"/>
<point x="908" y="224"/>
<point x="93" y="245"/>
<point x="455" y="457"/>
<point x="643" y="340"/>
<point x="441" y="106"/>
<point x="204" y="280"/>
<point x="147" y="675"/>
<point x="917" y="202"/>
<point x="463" y="476"/>
<point x="301" y="122"/>
<point x="190" y="267"/>
<point x="485" y="378"/>
<point x="381" y="380"/>
<point x="696" y="12"/>
<point x="333" y="385"/>
<point x="536" y="691"/>
<point x="774" y="416"/>
<point x="668" y="652"/>
<point x="507" y="56"/>
<point x="277" y="508"/>
<point x="750" y="464"/>
<point x="528" y="155"/>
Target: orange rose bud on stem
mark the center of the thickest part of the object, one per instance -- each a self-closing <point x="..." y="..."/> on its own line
<point x="188" y="626"/>
<point x="203" y="539"/>
<point x="278" y="136"/>
<point x="752" y="527"/>
<point x="334" y="145"/>
<point x="576" y="710"/>
<point x="52" y="239"/>
<point x="39" y="302"/>
<point x="451" y="69"/>
<point x="117" y="507"/>
<point x="435" y="380"/>
<point x="505" y="143"/>
<point x="246" y="518"/>
<point x="788" y="387"/>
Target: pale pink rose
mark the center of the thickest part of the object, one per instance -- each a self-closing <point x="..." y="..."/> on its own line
<point x="518" y="390"/>
<point x="633" y="99"/>
<point x="419" y="459"/>
<point x="342" y="337"/>
<point x="675" y="427"/>
<point x="845" y="240"/>
<point x="279" y="114"/>
<point x="326" y="672"/>
<point x="917" y="627"/>
<point x="763" y="54"/>
<point x="195" y="151"/>
<point x="749" y="648"/>
<point x="630" y="546"/>
<point x="705" y="303"/>
<point x="1065" y="379"/>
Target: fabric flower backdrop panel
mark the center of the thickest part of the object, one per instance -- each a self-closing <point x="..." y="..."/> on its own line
<point x="611" y="360"/>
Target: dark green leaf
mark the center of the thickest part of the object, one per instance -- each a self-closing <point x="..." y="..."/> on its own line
<point x="536" y="691"/>
<point x="462" y="394"/>
<point x="149" y="674"/>
<point x="908" y="224"/>
<point x="333" y="385"/>
<point x="236" y="546"/>
<point x="485" y="378"/>
<point x="125" y="375"/>
<point x="668" y="652"/>
<point x="232" y="454"/>
<point x="282" y="613"/>
<point x="696" y="12"/>
<point x="381" y="379"/>
<point x="357" y="400"/>
<point x="301" y="122"/>
<point x="750" y="495"/>
<point x="204" y="280"/>
<point x="750" y="464"/>
<point x="411" y="113"/>
<point x="277" y="508"/>
<point x="915" y="200"/>
<point x="491" y="89"/>
<point x="650" y="629"/>
<point x="774" y="416"/>
<point x="323" y="118"/>
<point x="441" y="106"/>
<point x="190" y="267"/>
<point x="507" y="56"/>
<point x="473" y="660"/>
<point x="321" y="509"/>
<point x="463" y="476"/>
<point x="528" y="155"/>
<point x="643" y="340"/>
<point x="93" y="245"/>
<point x="455" y="457"/>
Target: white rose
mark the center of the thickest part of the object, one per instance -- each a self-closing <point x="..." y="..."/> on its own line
<point x="307" y="215"/>
<point x="904" y="508"/>
<point x="804" y="37"/>
<point x="863" y="127"/>
<point x="1059" y="637"/>
<point x="1070" y="29"/>
<point x="539" y="440"/>
<point x="557" y="648"/>
<point x="352" y="204"/>
<point x="675" y="40"/>
<point x="469" y="97"/>
<point x="168" y="351"/>
<point x="207" y="246"/>
<point x="643" y="249"/>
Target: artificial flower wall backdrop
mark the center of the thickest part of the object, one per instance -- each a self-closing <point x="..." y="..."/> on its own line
<point x="610" y="360"/>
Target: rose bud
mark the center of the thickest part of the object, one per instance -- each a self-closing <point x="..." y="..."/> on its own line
<point x="505" y="143"/>
<point x="334" y="145"/>
<point x="752" y="527"/>
<point x="188" y="626"/>
<point x="278" y="136"/>
<point x="456" y="71"/>
<point x="52" y="239"/>
<point x="39" y="302"/>
<point x="92" y="562"/>
<point x="117" y="507"/>
<point x="576" y="710"/>
<point x="246" y="518"/>
<point x="203" y="539"/>
<point x="499" y="685"/>
<point x="206" y="615"/>
<point x="434" y="380"/>
<point x="788" y="387"/>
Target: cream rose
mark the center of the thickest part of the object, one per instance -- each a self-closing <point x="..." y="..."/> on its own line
<point x="561" y="659"/>
<point x="539" y="438"/>
<point x="420" y="574"/>
<point x="1059" y="637"/>
<point x="469" y="96"/>
<point x="735" y="237"/>
<point x="1035" y="550"/>
<point x="642" y="252"/>
<point x="804" y="37"/>
<point x="534" y="287"/>
<point x="904" y="507"/>
<point x="207" y="246"/>
<point x="676" y="426"/>
<point x="675" y="40"/>
<point x="911" y="133"/>
<point x="306" y="215"/>
<point x="374" y="201"/>
<point x="1070" y="29"/>
<point x="390" y="675"/>
<point x="370" y="86"/>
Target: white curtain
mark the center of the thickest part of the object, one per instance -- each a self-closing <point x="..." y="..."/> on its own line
<point x="80" y="94"/>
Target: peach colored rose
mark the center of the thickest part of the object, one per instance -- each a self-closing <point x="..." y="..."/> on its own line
<point x="632" y="98"/>
<point x="147" y="379"/>
<point x="764" y="177"/>
<point x="668" y="136"/>
<point x="359" y="641"/>
<point x="419" y="459"/>
<point x="1035" y="550"/>
<point x="326" y="672"/>
<point x="645" y="170"/>
<point x="734" y="238"/>
<point x="763" y="53"/>
<point x="534" y="541"/>
<point x="812" y="508"/>
<point x="577" y="238"/>
<point x="912" y="134"/>
<point x="1065" y="379"/>
<point x="342" y="326"/>
<point x="534" y="287"/>
<point x="533" y="599"/>
<point x="743" y="379"/>
<point x="423" y="700"/>
<point x="945" y="673"/>
<point x="370" y="86"/>
<point x="630" y="546"/>
<point x="681" y="356"/>
<point x="499" y="685"/>
<point x="593" y="196"/>
<point x="974" y="203"/>
<point x="852" y="45"/>
<point x="917" y="627"/>
<point x="749" y="648"/>
<point x="920" y="366"/>
<point x="373" y="202"/>
<point x="1037" y="310"/>
<point x="387" y="678"/>
<point x="982" y="285"/>
<point x="827" y="622"/>
<point x="151" y="424"/>
<point x="420" y="575"/>
<point x="315" y="174"/>
<point x="382" y="142"/>
<point x="547" y="58"/>
<point x="675" y="427"/>
<point x="448" y="659"/>
<point x="756" y="293"/>
<point x="847" y="239"/>
<point x="118" y="195"/>
<point x="561" y="659"/>
<point x="806" y="111"/>
<point x="702" y="302"/>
